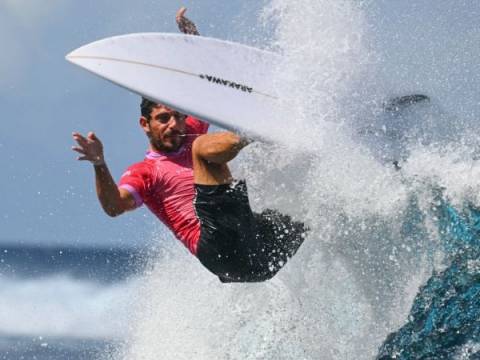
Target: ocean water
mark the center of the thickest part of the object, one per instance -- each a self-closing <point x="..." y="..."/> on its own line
<point x="65" y="303"/>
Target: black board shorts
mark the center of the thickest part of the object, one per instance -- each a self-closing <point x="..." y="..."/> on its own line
<point x="238" y="245"/>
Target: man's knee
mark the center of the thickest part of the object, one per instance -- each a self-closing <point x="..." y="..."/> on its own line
<point x="199" y="144"/>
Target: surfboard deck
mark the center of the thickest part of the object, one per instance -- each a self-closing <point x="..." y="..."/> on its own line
<point x="224" y="83"/>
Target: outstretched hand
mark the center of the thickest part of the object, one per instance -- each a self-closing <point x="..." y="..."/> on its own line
<point x="185" y="25"/>
<point x="90" y="148"/>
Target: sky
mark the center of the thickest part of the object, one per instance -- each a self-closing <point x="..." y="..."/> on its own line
<point x="49" y="197"/>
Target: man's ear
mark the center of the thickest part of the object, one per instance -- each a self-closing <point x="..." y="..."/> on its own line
<point x="145" y="124"/>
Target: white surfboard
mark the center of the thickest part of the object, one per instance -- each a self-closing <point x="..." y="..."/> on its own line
<point x="226" y="84"/>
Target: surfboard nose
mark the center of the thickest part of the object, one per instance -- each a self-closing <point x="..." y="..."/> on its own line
<point x="75" y="58"/>
<point x="96" y="48"/>
<point x="74" y="55"/>
<point x="69" y="56"/>
<point x="105" y="47"/>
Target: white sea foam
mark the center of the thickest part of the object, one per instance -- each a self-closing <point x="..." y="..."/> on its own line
<point x="371" y="244"/>
<point x="61" y="306"/>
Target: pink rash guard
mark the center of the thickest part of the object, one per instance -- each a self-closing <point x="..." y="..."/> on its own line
<point x="164" y="182"/>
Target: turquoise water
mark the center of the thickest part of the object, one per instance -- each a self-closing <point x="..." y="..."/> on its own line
<point x="444" y="322"/>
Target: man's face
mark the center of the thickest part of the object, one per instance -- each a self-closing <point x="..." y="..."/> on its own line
<point x="164" y="128"/>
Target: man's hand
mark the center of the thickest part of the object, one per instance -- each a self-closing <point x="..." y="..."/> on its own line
<point x="114" y="201"/>
<point x="90" y="148"/>
<point x="185" y="25"/>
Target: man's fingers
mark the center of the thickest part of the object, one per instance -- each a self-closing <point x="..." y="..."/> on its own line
<point x="78" y="149"/>
<point x="81" y="141"/>
<point x="181" y="13"/>
<point x="85" y="146"/>
<point x="78" y="137"/>
<point x="91" y="135"/>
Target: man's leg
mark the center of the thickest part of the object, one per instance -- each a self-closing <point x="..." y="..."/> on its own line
<point x="211" y="152"/>
<point x="258" y="246"/>
<point x="227" y="222"/>
<point x="280" y="237"/>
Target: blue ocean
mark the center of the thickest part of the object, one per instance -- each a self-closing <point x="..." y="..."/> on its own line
<point x="64" y="303"/>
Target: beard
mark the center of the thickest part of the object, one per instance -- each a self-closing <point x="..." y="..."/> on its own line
<point x="169" y="143"/>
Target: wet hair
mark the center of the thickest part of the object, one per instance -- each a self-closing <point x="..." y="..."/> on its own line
<point x="146" y="107"/>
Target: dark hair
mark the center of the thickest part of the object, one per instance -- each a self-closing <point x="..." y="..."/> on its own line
<point x="146" y="107"/>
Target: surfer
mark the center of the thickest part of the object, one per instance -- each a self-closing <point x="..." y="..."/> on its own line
<point x="186" y="182"/>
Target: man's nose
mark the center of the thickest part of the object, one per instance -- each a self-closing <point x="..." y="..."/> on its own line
<point x="173" y="122"/>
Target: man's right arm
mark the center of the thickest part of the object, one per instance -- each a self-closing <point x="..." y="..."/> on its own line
<point x="185" y="25"/>
<point x="115" y="201"/>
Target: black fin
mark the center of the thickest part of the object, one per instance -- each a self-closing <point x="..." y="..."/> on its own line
<point x="397" y="103"/>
